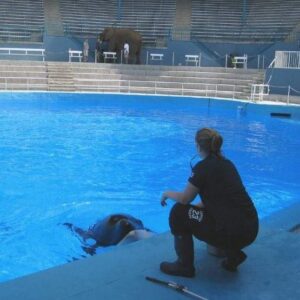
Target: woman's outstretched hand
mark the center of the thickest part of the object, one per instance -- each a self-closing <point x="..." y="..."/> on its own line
<point x="163" y="200"/>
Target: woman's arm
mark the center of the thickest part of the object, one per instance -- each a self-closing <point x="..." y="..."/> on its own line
<point x="188" y="195"/>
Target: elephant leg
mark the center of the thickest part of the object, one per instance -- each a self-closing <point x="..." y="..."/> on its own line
<point x="138" y="60"/>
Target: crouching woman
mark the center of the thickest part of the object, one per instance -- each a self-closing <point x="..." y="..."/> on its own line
<point x="225" y="218"/>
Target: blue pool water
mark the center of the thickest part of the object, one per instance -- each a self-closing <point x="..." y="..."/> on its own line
<point x="77" y="158"/>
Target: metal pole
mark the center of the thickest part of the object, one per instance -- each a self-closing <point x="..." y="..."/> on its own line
<point x="173" y="59"/>
<point x="147" y="58"/>
<point x="226" y="58"/>
<point x="288" y="98"/>
<point x="119" y="12"/>
<point x="258" y="61"/>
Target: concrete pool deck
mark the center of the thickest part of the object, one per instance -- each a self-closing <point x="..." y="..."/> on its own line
<point x="272" y="270"/>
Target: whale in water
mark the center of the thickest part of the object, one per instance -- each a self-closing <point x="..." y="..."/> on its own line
<point x="115" y="229"/>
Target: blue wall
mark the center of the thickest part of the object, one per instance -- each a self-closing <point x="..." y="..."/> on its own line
<point x="57" y="47"/>
<point x="280" y="79"/>
<point x="214" y="54"/>
<point x="253" y="50"/>
<point x="180" y="49"/>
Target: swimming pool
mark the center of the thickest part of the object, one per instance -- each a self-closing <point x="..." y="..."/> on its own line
<point x="79" y="157"/>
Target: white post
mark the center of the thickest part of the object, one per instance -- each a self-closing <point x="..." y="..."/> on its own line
<point x="226" y="57"/>
<point x="173" y="59"/>
<point x="96" y="55"/>
<point x="5" y="83"/>
<point x="155" y="87"/>
<point x="182" y="89"/>
<point x="289" y="92"/>
<point x="216" y="91"/>
<point x="233" y="91"/>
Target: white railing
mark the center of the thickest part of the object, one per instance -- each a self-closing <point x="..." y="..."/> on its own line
<point x="157" y="87"/>
<point x="75" y="54"/>
<point x="126" y="86"/>
<point x="258" y="91"/>
<point x="23" y="51"/>
<point x="23" y="83"/>
<point x="287" y="59"/>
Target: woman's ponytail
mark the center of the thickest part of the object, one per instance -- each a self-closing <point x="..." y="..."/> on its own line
<point x="209" y="141"/>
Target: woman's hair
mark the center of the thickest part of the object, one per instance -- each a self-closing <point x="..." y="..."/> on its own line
<point x="209" y="141"/>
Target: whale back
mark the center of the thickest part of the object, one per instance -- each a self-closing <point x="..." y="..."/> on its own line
<point x="112" y="229"/>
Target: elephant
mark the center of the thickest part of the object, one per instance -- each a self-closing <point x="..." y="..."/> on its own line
<point x="117" y="37"/>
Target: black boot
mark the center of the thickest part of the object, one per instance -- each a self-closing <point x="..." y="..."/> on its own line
<point x="184" y="265"/>
<point x="231" y="262"/>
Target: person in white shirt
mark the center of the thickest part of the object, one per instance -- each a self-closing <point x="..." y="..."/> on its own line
<point x="126" y="51"/>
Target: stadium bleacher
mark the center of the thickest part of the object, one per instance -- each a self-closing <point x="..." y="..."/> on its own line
<point x="226" y="20"/>
<point x="87" y="18"/>
<point x="21" y="20"/>
<point x="152" y="19"/>
<point x="211" y="20"/>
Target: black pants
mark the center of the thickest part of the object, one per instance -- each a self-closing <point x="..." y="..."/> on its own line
<point x="192" y="220"/>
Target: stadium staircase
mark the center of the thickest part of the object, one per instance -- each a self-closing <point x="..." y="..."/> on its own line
<point x="53" y="20"/>
<point x="60" y="77"/>
<point x="182" y="22"/>
<point x="152" y="19"/>
<point x="89" y="77"/>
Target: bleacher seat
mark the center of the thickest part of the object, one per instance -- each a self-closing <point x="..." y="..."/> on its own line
<point x="21" y="20"/>
<point x="153" y="19"/>
<point x="264" y="21"/>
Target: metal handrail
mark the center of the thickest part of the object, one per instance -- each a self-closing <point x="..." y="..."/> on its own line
<point x="129" y="86"/>
<point x="287" y="59"/>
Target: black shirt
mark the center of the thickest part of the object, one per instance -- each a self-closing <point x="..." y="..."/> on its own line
<point x="222" y="191"/>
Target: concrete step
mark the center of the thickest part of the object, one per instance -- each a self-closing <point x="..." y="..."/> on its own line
<point x="195" y="74"/>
